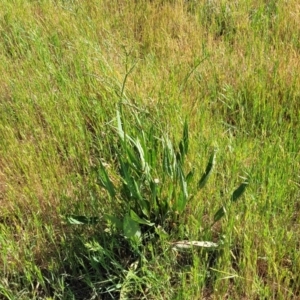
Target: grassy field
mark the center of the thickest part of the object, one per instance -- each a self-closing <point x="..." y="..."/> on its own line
<point x="228" y="71"/>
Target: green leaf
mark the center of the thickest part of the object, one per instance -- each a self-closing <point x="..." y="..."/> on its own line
<point x="153" y="153"/>
<point x="169" y="158"/>
<point x="125" y="170"/>
<point x="124" y="137"/>
<point x="131" y="228"/>
<point x="137" y="191"/>
<point x="128" y="183"/>
<point x="161" y="232"/>
<point x="105" y="181"/>
<point x="141" y="153"/>
<point x="167" y="165"/>
<point x="208" y="170"/>
<point x="154" y="191"/>
<point x="184" y="143"/>
<point x="239" y="192"/>
<point x="120" y="127"/>
<point x="183" y="195"/>
<point x="133" y="157"/>
<point x="190" y="176"/>
<point x="139" y="220"/>
<point x="145" y="207"/>
<point x="183" y="184"/>
<point x="236" y="194"/>
<point x="219" y="214"/>
<point x="81" y="220"/>
<point x="180" y="203"/>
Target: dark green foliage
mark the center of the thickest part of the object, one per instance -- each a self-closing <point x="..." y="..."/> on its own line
<point x="154" y="188"/>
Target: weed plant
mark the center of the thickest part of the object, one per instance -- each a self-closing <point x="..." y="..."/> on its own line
<point x="153" y="192"/>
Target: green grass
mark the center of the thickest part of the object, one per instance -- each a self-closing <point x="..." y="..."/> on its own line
<point x="230" y="68"/>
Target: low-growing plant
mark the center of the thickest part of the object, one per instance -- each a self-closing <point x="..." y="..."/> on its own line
<point x="154" y="185"/>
